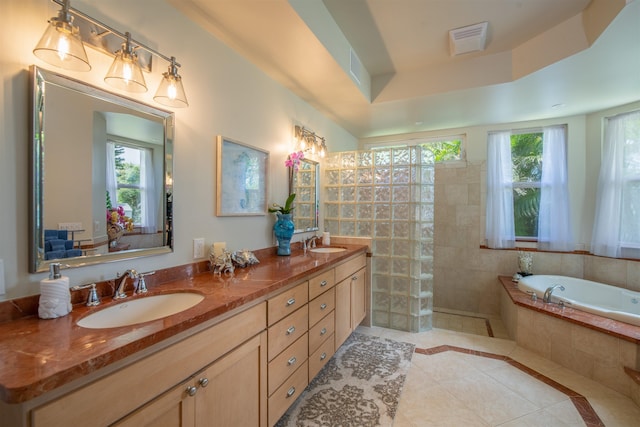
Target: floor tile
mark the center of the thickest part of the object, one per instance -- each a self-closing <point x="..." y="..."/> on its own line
<point x="459" y="389"/>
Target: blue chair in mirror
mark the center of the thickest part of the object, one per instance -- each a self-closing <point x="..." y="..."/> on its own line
<point x="57" y="245"/>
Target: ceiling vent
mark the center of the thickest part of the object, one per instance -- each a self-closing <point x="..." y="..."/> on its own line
<point x="467" y="39"/>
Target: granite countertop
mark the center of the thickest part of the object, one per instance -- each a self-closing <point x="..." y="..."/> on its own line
<point x="37" y="356"/>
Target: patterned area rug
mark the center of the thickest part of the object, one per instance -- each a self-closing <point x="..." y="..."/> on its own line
<point x="359" y="386"/>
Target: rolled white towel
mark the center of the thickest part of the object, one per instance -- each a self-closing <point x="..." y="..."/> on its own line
<point x="55" y="300"/>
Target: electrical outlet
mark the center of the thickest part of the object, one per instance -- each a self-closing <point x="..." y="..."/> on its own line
<point x="198" y="248"/>
<point x="3" y="290"/>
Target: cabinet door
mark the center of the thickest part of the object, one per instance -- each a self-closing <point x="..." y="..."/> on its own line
<point x="358" y="301"/>
<point x="175" y="408"/>
<point x="233" y="390"/>
<point x="342" y="312"/>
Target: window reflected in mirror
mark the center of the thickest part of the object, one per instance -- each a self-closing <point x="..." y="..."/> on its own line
<point x="304" y="182"/>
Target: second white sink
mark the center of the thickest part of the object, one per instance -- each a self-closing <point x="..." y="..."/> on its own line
<point x="140" y="310"/>
<point x="327" y="250"/>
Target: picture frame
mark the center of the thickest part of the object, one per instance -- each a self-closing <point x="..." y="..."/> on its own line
<point x="242" y="171"/>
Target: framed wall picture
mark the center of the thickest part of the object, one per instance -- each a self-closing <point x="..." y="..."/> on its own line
<point x="241" y="187"/>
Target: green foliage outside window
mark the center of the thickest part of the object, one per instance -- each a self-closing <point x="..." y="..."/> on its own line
<point x="444" y="150"/>
<point x="526" y="157"/>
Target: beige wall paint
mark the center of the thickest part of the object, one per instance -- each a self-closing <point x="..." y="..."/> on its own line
<point x="227" y="96"/>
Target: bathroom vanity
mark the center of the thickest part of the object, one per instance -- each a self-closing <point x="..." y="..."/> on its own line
<point x="240" y="357"/>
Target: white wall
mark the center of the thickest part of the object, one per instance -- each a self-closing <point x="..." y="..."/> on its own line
<point x="227" y="96"/>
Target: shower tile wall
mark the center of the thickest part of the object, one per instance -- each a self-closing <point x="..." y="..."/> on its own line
<point x="388" y="195"/>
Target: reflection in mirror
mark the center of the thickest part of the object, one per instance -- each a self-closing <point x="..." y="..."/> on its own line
<point x="304" y="182"/>
<point x="102" y="175"/>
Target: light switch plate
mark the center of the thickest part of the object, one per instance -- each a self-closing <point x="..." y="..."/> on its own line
<point x="198" y="248"/>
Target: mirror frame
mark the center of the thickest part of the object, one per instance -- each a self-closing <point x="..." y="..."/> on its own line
<point x="292" y="189"/>
<point x="39" y="78"/>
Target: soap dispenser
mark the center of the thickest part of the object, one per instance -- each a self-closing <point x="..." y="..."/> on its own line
<point x="55" y="296"/>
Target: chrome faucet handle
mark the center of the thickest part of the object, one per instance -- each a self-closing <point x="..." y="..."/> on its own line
<point x="141" y="286"/>
<point x="92" y="298"/>
<point x="534" y="296"/>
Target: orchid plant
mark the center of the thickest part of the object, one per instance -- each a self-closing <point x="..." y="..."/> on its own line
<point x="286" y="209"/>
<point x="293" y="160"/>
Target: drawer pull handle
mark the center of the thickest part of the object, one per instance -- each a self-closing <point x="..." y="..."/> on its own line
<point x="323" y="306"/>
<point x="203" y="382"/>
<point x="291" y="361"/>
<point x="354" y="278"/>
<point x="323" y="356"/>
<point x="291" y="392"/>
<point x="192" y="390"/>
<point x="323" y="331"/>
<point x="291" y="330"/>
<point x="323" y="283"/>
<point x="291" y="302"/>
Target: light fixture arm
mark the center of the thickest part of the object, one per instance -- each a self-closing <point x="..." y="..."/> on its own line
<point x="67" y="10"/>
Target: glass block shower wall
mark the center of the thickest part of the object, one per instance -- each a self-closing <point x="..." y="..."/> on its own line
<point x="388" y="195"/>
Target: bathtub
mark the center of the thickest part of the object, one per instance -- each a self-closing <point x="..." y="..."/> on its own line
<point x="593" y="297"/>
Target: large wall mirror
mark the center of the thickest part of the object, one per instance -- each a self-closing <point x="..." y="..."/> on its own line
<point x="102" y="175"/>
<point x="304" y="182"/>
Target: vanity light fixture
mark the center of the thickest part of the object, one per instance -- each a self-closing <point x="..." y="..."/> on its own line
<point x="62" y="46"/>
<point x="170" y="92"/>
<point x="307" y="140"/>
<point x="125" y="72"/>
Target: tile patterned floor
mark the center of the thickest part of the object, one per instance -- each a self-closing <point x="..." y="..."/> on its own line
<point x="503" y="385"/>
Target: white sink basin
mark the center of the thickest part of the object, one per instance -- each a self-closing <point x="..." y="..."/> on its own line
<point x="140" y="310"/>
<point x="328" y="250"/>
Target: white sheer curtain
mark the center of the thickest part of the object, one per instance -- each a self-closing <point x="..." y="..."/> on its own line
<point x="111" y="183"/>
<point x="500" y="229"/>
<point x="554" y="227"/>
<point x="608" y="225"/>
<point x="149" y="200"/>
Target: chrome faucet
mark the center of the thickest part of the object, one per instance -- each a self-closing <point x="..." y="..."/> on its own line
<point x="309" y="243"/>
<point x="121" y="282"/>
<point x="549" y="291"/>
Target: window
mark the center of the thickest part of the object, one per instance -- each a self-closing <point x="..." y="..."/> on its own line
<point x="128" y="167"/>
<point x="616" y="231"/>
<point x="444" y="149"/>
<point x="130" y="183"/>
<point x="527" y="189"/>
<point x="526" y="158"/>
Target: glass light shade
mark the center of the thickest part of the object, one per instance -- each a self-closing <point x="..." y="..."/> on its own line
<point x="62" y="47"/>
<point x="125" y="73"/>
<point x="170" y="92"/>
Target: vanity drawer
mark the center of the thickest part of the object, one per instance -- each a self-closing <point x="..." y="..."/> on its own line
<point x="346" y="269"/>
<point x="319" y="307"/>
<point x="287" y="331"/>
<point x="321" y="283"/>
<point x="321" y="331"/>
<point x="287" y="362"/>
<point x="287" y="302"/>
<point x="287" y="393"/>
<point x="320" y="357"/>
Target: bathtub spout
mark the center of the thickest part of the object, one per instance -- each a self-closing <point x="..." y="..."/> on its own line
<point x="549" y="291"/>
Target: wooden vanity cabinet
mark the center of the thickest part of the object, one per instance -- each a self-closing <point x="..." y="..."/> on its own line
<point x="215" y="377"/>
<point x="226" y="393"/>
<point x="350" y="297"/>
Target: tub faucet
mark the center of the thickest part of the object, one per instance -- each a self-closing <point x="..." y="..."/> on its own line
<point x="549" y="291"/>
<point x="121" y="282"/>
